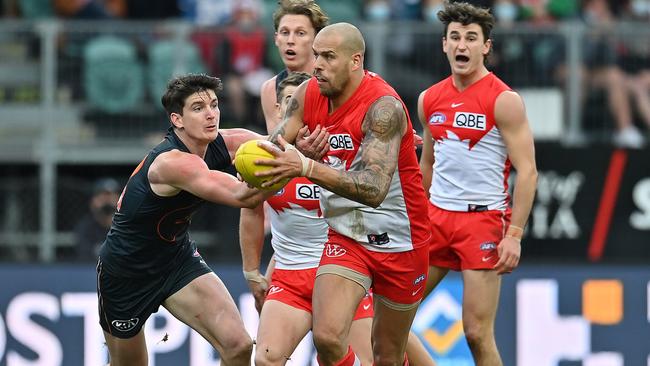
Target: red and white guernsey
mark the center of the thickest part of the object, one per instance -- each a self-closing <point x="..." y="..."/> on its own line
<point x="400" y="222"/>
<point x="471" y="165"/>
<point x="298" y="229"/>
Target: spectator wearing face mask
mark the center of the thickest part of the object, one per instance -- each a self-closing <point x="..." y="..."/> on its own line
<point x="242" y="61"/>
<point x="91" y="230"/>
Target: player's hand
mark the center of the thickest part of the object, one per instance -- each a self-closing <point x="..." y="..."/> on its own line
<point x="313" y="145"/>
<point x="509" y="250"/>
<point x="287" y="163"/>
<point x="417" y="139"/>
<point x="258" y="289"/>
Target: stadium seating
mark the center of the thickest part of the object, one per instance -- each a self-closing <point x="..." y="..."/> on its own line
<point x="113" y="77"/>
<point x="31" y="9"/>
<point x="168" y="58"/>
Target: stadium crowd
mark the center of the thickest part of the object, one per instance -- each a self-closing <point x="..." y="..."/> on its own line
<point x="615" y="71"/>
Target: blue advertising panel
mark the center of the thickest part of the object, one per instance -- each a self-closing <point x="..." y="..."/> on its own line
<point x="550" y="315"/>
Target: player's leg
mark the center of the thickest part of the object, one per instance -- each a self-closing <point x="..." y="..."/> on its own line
<point x="416" y="352"/>
<point x="335" y="300"/>
<point x="436" y="274"/>
<point x="281" y="329"/>
<point x="390" y="331"/>
<point x="127" y="352"/>
<point x="441" y="254"/>
<point x="207" y="307"/>
<point x="398" y="286"/>
<point x="480" y="301"/>
<point x="361" y="329"/>
<point x="124" y="306"/>
<point x="359" y="340"/>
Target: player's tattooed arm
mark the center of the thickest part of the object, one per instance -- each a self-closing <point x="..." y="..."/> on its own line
<point x="282" y="127"/>
<point x="384" y="126"/>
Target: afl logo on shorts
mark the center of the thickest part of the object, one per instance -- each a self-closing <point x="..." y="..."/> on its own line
<point x="125" y="325"/>
<point x="437" y="118"/>
<point x="333" y="251"/>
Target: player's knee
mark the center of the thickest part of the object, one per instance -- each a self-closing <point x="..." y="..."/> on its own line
<point x="476" y="333"/>
<point x="388" y="360"/>
<point x="266" y="357"/>
<point x="327" y="341"/>
<point x="238" y="352"/>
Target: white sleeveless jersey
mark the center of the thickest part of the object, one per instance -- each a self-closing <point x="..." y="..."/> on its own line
<point x="471" y="165"/>
<point x="298" y="230"/>
<point x="400" y="223"/>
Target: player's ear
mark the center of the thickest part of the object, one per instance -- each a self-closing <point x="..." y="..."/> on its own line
<point x="278" y="110"/>
<point x="487" y="46"/>
<point x="357" y="60"/>
<point x="176" y="119"/>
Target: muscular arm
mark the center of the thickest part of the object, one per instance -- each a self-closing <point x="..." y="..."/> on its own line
<point x="251" y="237"/>
<point x="383" y="126"/>
<point x="233" y="137"/>
<point x="511" y="119"/>
<point x="251" y="242"/>
<point x="175" y="170"/>
<point x="426" y="158"/>
<point x="268" y="99"/>
<point x="292" y="121"/>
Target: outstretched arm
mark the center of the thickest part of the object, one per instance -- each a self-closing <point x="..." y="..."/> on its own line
<point x="175" y="170"/>
<point x="233" y="137"/>
<point x="383" y="126"/>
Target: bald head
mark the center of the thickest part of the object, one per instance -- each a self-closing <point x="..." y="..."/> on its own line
<point x="350" y="37"/>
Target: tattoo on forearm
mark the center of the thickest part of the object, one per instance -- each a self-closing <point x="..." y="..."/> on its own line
<point x="383" y="126"/>
<point x="273" y="137"/>
<point x="280" y="130"/>
<point x="291" y="108"/>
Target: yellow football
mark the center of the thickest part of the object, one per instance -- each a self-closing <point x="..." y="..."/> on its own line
<point x="245" y="158"/>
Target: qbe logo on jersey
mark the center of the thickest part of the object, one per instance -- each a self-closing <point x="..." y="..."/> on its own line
<point x="307" y="192"/>
<point x="473" y="121"/>
<point x="341" y="141"/>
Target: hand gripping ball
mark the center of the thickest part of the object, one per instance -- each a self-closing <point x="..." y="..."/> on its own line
<point x="245" y="158"/>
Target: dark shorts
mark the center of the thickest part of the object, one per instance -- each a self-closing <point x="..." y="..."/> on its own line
<point x="125" y="304"/>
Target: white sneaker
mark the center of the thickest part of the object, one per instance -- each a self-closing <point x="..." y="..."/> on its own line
<point x="629" y="138"/>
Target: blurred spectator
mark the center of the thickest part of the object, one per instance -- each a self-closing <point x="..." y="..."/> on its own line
<point x="430" y="9"/>
<point x="605" y="73"/>
<point x="206" y="12"/>
<point x="90" y="9"/>
<point x="9" y="8"/>
<point x="377" y="10"/>
<point x="600" y="70"/>
<point x="91" y="230"/>
<point x="243" y="58"/>
<point x="147" y="9"/>
<point x="382" y="10"/>
<point x="505" y="11"/>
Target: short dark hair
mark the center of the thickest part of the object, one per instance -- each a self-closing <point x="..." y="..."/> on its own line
<point x="308" y="8"/>
<point x="181" y="87"/>
<point x="465" y="14"/>
<point x="294" y="78"/>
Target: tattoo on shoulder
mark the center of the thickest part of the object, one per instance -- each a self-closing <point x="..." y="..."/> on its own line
<point x="385" y="118"/>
